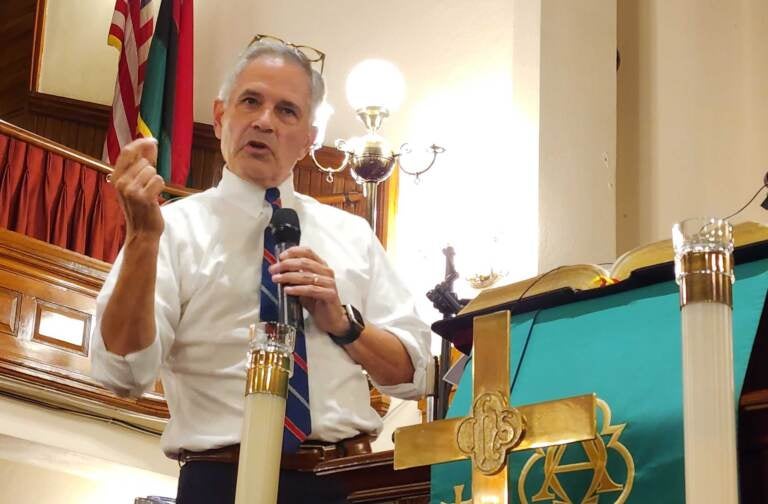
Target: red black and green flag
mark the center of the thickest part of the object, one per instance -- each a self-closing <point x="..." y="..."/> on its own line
<point x="166" y="101"/>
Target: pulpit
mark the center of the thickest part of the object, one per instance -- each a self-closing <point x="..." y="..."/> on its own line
<point x="580" y="330"/>
<point x="616" y="333"/>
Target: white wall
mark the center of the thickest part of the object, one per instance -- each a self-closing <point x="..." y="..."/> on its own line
<point x="692" y="102"/>
<point x="577" y="168"/>
<point x="70" y="33"/>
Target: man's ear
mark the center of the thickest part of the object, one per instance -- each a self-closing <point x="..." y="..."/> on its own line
<point x="310" y="141"/>
<point x="218" y="112"/>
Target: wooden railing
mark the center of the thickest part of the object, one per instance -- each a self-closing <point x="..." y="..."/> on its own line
<point x="9" y="129"/>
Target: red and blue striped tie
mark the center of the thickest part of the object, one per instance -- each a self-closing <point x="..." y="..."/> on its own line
<point x="298" y="423"/>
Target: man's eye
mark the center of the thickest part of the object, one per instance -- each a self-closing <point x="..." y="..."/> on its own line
<point x="249" y="100"/>
<point x="288" y="111"/>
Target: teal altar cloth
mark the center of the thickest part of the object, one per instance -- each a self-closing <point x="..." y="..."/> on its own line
<point x="623" y="344"/>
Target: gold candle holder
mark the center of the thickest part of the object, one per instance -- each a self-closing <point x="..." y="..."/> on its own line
<point x="704" y="271"/>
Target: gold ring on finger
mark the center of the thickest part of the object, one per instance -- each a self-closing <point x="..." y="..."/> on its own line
<point x="314" y="279"/>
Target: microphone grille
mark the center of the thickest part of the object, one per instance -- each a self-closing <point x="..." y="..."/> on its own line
<point x="285" y="226"/>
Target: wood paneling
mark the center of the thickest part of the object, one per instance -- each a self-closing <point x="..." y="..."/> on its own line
<point x="48" y="300"/>
<point x="10" y="302"/>
<point x="61" y="327"/>
<point x="17" y="28"/>
<point x="371" y="478"/>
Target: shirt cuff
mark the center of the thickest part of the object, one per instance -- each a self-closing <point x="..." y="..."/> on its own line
<point x="127" y="376"/>
<point x="416" y="388"/>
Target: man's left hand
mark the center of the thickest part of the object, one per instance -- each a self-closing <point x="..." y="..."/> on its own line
<point x="305" y="274"/>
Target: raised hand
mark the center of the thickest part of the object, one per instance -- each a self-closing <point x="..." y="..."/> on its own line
<point x="138" y="187"/>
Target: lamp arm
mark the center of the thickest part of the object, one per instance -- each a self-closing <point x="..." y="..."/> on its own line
<point x="406" y="149"/>
<point x="330" y="171"/>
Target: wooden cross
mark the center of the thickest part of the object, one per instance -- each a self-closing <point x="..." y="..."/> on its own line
<point x="493" y="428"/>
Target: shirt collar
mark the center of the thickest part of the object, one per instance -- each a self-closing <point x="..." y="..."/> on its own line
<point x="249" y="196"/>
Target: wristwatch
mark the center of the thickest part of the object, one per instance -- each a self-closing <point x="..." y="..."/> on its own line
<point x="356" y="326"/>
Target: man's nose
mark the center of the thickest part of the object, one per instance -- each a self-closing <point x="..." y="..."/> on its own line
<point x="263" y="120"/>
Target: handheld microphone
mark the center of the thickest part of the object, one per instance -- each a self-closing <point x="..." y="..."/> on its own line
<point x="287" y="233"/>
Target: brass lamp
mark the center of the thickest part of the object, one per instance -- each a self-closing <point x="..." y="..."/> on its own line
<point x="374" y="89"/>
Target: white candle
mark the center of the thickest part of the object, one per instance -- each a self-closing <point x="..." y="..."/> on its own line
<point x="704" y="271"/>
<point x="261" y="442"/>
<point x="261" y="449"/>
<point x="708" y="404"/>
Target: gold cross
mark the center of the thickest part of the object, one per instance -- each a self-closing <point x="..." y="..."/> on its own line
<point x="493" y="429"/>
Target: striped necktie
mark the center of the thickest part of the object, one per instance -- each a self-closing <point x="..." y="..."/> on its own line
<point x="298" y="423"/>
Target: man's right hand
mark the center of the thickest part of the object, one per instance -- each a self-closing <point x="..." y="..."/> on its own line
<point x="128" y="323"/>
<point x="138" y="187"/>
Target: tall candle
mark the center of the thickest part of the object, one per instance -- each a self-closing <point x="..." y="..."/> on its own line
<point x="269" y="368"/>
<point x="704" y="270"/>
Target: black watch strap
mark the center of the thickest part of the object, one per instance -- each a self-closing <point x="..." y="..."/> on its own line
<point x="356" y="326"/>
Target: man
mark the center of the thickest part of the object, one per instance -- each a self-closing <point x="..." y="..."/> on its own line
<point x="186" y="286"/>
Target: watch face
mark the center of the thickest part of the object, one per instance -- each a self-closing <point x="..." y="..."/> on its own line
<point x="355" y="317"/>
<point x="356" y="327"/>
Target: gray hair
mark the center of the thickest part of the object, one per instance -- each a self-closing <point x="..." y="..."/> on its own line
<point x="287" y="53"/>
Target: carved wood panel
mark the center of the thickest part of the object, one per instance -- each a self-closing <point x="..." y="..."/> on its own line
<point x="47" y="301"/>
<point x="10" y="304"/>
<point x="52" y="324"/>
<point x="62" y="327"/>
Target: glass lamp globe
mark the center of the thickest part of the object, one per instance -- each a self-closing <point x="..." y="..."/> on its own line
<point x="375" y="83"/>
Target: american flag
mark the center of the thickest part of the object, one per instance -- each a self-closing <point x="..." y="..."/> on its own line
<point x="131" y="34"/>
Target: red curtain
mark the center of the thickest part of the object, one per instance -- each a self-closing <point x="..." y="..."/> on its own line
<point x="57" y="200"/>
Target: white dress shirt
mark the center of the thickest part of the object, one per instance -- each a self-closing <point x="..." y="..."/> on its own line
<point x="207" y="295"/>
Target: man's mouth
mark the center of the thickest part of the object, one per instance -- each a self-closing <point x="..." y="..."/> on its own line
<point x="256" y="147"/>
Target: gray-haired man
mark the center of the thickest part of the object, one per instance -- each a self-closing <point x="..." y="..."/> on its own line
<point x="185" y="288"/>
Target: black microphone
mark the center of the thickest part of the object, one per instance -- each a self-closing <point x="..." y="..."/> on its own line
<point x="287" y="233"/>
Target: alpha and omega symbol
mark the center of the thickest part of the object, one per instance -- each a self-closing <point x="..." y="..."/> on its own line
<point x="602" y="482"/>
